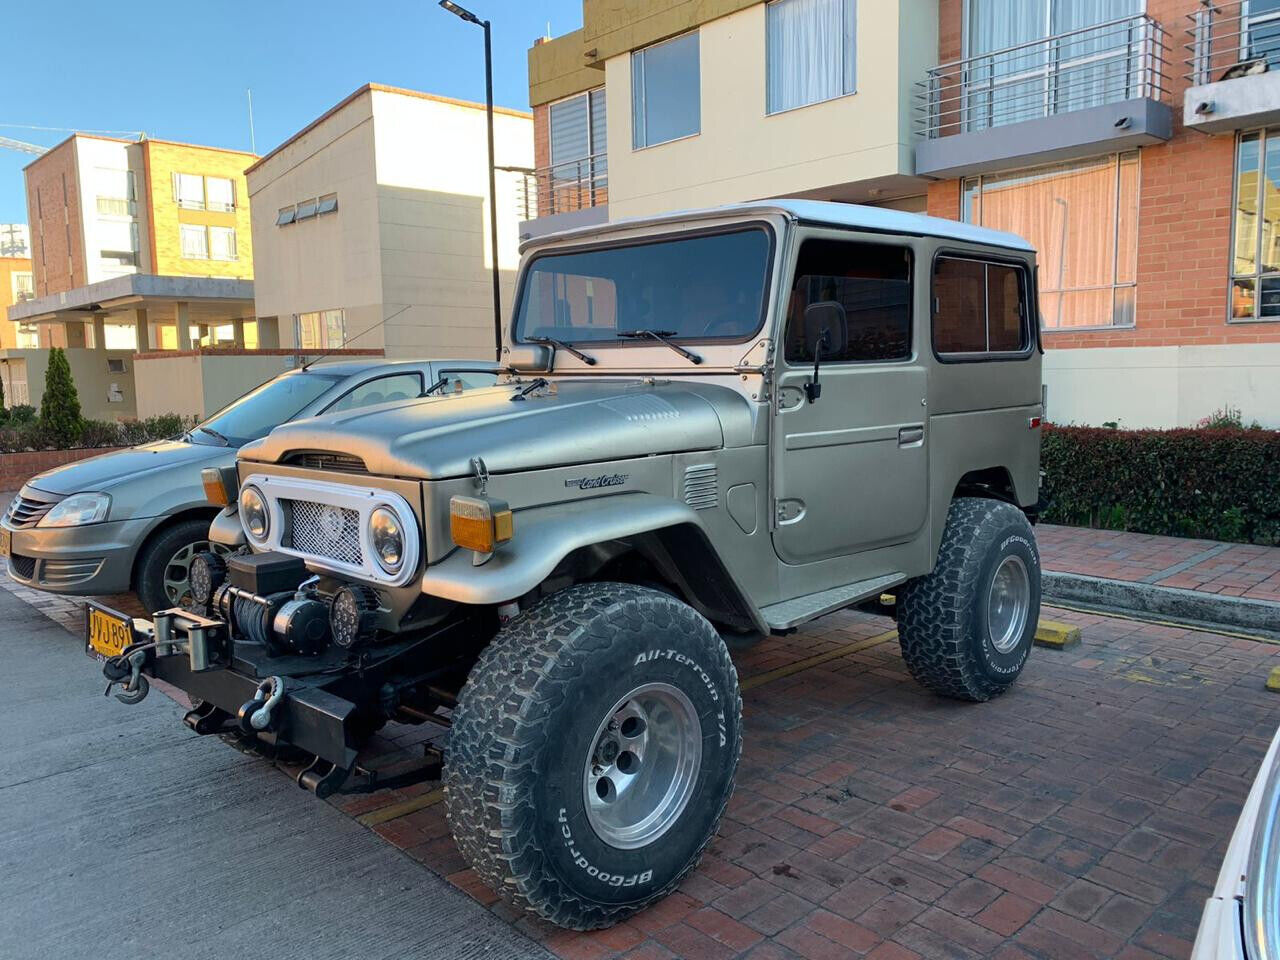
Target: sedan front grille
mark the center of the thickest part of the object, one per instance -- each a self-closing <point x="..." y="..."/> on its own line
<point x="28" y="509"/>
<point x="22" y="567"/>
<point x="324" y="530"/>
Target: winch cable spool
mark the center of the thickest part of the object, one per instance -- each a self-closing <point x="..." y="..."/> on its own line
<point x="254" y="617"/>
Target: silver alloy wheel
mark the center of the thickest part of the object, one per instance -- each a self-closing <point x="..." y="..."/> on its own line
<point x="1008" y="603"/>
<point x="177" y="572"/>
<point x="643" y="765"/>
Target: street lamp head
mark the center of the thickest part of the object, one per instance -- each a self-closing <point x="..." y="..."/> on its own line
<point x="458" y="11"/>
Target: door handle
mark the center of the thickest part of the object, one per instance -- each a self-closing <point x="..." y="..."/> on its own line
<point x="911" y="436"/>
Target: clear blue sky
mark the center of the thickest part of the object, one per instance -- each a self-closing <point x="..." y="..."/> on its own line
<point x="180" y="71"/>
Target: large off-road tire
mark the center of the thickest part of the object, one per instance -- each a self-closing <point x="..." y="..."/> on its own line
<point x="162" y="575"/>
<point x="967" y="627"/>
<point x="593" y="751"/>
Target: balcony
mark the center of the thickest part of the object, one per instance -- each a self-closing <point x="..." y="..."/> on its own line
<point x="1233" y="67"/>
<point x="573" y="193"/>
<point x="1098" y="89"/>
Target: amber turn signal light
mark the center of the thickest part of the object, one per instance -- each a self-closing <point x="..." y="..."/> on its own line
<point x="219" y="485"/>
<point x="479" y="524"/>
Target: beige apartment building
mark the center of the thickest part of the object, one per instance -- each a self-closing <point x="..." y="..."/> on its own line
<point x="371" y="225"/>
<point x="1135" y="143"/>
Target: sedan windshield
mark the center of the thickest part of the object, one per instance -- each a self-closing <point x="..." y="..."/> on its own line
<point x="708" y="287"/>
<point x="262" y="408"/>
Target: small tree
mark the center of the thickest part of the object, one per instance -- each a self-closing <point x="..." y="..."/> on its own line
<point x="60" y="405"/>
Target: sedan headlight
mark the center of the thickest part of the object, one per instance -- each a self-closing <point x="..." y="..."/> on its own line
<point x="254" y="514"/>
<point x="387" y="537"/>
<point x="77" y="510"/>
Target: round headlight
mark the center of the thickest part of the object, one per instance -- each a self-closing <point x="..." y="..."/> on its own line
<point x="388" y="538"/>
<point x="253" y="513"/>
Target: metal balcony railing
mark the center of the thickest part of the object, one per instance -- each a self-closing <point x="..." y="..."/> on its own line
<point x="1104" y="63"/>
<point x="1226" y="40"/>
<point x="572" y="185"/>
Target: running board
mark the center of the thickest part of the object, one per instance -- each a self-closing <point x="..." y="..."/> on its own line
<point x="790" y="613"/>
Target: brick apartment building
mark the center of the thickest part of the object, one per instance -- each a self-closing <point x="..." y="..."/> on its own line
<point x="1136" y="144"/>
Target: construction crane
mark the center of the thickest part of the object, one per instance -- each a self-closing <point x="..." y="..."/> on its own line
<point x="22" y="146"/>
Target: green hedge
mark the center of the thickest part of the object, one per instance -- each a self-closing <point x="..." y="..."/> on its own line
<point x="18" y="434"/>
<point x="1209" y="483"/>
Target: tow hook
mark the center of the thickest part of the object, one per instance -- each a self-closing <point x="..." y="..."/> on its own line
<point x="256" y="715"/>
<point x="116" y="669"/>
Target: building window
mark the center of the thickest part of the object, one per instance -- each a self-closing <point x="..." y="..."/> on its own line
<point x="1255" y="261"/>
<point x="220" y="193"/>
<point x="222" y="243"/>
<point x="24" y="287"/>
<point x="578" y="139"/>
<point x="188" y="190"/>
<point x="666" y="96"/>
<point x="1082" y="218"/>
<point x="811" y="51"/>
<point x="195" y="242"/>
<point x="979" y="307"/>
<point x="28" y="337"/>
<point x="327" y="204"/>
<point x="118" y="244"/>
<point x="307" y="209"/>
<point x="322" y="330"/>
<point x="115" y="192"/>
<point x="1086" y="60"/>
<point x="285" y="216"/>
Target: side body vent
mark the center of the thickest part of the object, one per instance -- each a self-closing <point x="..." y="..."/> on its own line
<point x="701" y="486"/>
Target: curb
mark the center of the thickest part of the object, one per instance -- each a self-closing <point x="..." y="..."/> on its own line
<point x="1190" y="607"/>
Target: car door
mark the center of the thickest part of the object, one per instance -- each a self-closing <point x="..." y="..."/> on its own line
<point x="850" y="466"/>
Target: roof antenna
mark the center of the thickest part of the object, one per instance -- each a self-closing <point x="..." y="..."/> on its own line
<point x="309" y="363"/>
<point x="253" y="142"/>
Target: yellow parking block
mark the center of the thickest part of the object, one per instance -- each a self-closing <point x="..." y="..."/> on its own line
<point x="1273" y="680"/>
<point x="1057" y="636"/>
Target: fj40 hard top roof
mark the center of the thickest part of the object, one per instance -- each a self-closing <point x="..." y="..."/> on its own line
<point x="850" y="215"/>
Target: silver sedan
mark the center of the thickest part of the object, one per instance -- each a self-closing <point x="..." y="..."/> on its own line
<point x="133" y="519"/>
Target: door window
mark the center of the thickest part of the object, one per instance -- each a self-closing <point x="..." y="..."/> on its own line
<point x="979" y="307"/>
<point x="399" y="386"/>
<point x="471" y="379"/>
<point x="858" y="295"/>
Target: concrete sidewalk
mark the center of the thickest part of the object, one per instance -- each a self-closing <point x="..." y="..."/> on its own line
<point x="1206" y="566"/>
<point x="125" y="836"/>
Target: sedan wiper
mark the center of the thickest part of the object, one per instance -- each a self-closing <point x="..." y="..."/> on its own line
<point x="215" y="434"/>
<point x="443" y="381"/>
<point x="661" y="337"/>
<point x="566" y="347"/>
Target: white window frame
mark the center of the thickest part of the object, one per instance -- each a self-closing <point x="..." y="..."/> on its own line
<point x="187" y="204"/>
<point x="220" y="206"/>
<point x="231" y="231"/>
<point x="849" y="85"/>
<point x="16" y="289"/>
<point x="639" y="106"/>
<point x="183" y="230"/>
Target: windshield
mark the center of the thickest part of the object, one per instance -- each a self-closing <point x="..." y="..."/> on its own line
<point x="704" y="287"/>
<point x="253" y="415"/>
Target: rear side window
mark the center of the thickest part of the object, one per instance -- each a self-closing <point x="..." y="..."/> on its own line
<point x="858" y="294"/>
<point x="979" y="307"/>
<point x="399" y="386"/>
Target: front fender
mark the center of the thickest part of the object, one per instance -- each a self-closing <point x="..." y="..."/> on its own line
<point x="546" y="535"/>
<point x="226" y="529"/>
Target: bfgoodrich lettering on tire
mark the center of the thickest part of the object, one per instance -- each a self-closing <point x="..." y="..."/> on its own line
<point x="593" y="752"/>
<point x="967" y="627"/>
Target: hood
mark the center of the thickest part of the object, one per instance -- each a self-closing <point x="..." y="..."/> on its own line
<point x="582" y="422"/>
<point x="129" y="466"/>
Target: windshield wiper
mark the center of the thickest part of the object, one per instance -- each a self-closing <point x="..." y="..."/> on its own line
<point x="215" y="434"/>
<point x="661" y="337"/>
<point x="566" y="347"/>
<point x="436" y="386"/>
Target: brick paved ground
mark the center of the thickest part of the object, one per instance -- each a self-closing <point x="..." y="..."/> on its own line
<point x="1231" y="569"/>
<point x="1083" y="814"/>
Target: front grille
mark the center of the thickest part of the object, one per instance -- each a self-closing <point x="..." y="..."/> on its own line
<point x="22" y="567"/>
<point x="326" y="460"/>
<point x="323" y="530"/>
<point x="26" y="511"/>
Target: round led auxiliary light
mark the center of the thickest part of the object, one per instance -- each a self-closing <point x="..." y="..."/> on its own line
<point x="353" y="614"/>
<point x="208" y="571"/>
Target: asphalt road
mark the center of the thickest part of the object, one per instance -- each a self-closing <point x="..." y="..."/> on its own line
<point x="122" y="834"/>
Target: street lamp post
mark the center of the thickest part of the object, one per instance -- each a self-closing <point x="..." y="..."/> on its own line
<point x="470" y="17"/>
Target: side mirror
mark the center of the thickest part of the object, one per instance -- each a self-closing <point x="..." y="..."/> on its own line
<point x="530" y="357"/>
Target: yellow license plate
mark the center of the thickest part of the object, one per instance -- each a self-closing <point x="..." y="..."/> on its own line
<point x="6" y="541"/>
<point x="107" y="633"/>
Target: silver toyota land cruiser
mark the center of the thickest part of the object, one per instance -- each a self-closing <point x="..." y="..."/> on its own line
<point x="721" y="423"/>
